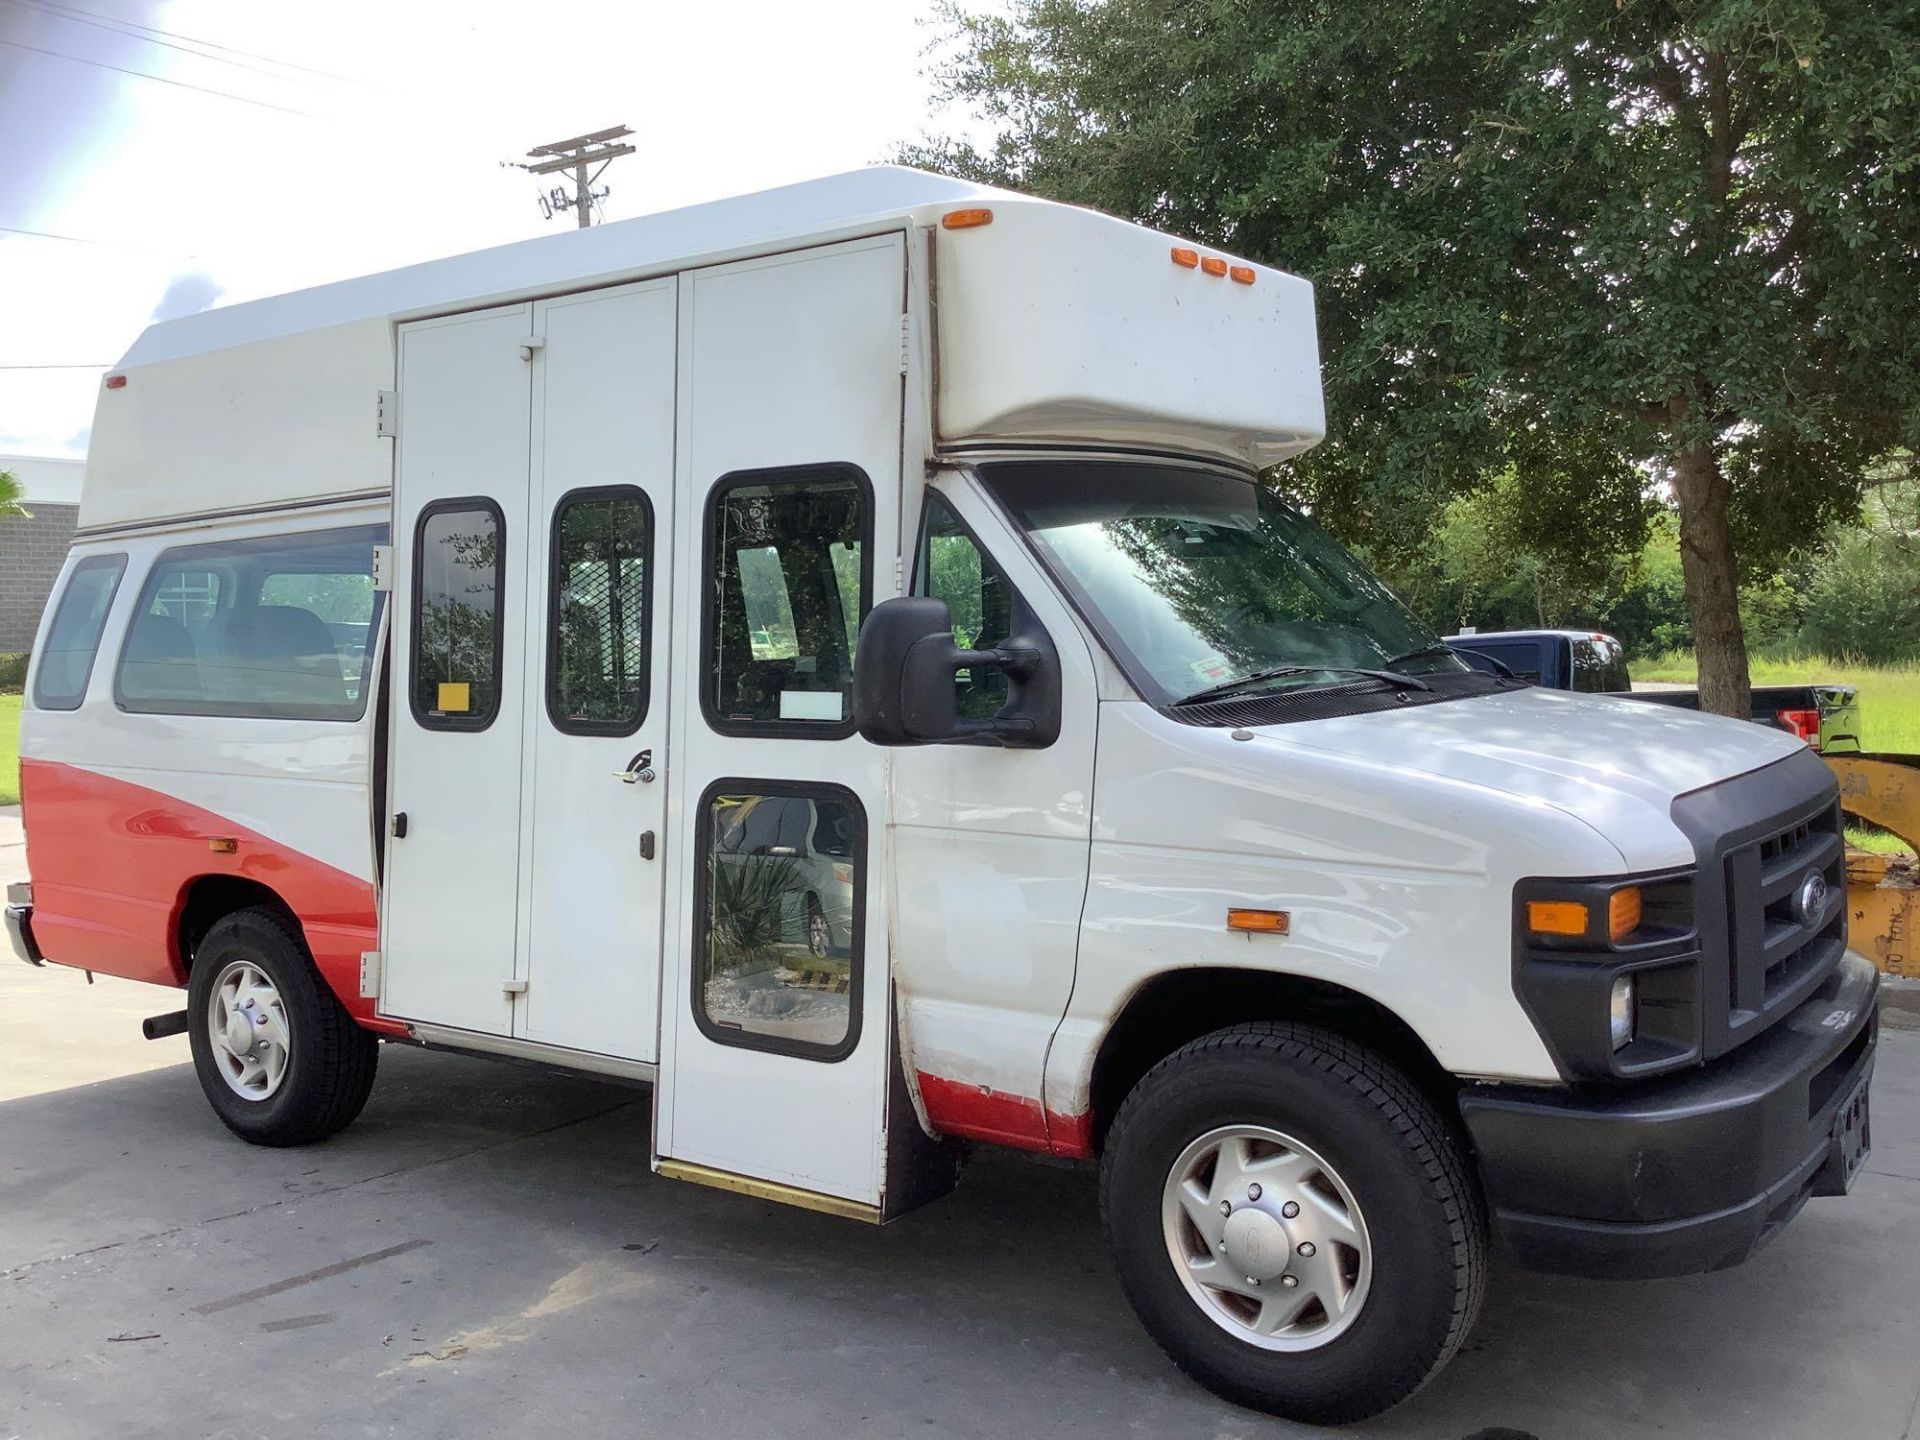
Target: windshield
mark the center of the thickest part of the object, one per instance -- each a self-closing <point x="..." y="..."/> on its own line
<point x="1205" y="580"/>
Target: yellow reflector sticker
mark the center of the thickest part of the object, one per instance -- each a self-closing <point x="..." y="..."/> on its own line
<point x="1556" y="917"/>
<point x="453" y="699"/>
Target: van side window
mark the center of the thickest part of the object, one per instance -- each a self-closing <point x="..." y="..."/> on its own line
<point x="597" y="632"/>
<point x="66" y="659"/>
<point x="782" y="906"/>
<point x="952" y="567"/>
<point x="788" y="581"/>
<point x="459" y="564"/>
<point x="272" y="627"/>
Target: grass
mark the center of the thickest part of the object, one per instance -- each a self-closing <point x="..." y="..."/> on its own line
<point x="9" y="749"/>
<point x="1889" y="708"/>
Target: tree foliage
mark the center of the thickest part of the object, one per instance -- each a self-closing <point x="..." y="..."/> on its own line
<point x="12" y="496"/>
<point x="1592" y="247"/>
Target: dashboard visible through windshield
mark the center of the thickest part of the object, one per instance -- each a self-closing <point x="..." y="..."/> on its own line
<point x="1211" y="585"/>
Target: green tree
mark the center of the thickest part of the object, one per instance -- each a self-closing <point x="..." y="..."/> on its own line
<point x="1602" y="246"/>
<point x="12" y="494"/>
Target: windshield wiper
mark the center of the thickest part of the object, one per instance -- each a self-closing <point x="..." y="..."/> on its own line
<point x="1227" y="688"/>
<point x="1438" y="647"/>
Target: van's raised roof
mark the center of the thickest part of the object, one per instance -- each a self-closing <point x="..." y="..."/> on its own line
<point x="719" y="229"/>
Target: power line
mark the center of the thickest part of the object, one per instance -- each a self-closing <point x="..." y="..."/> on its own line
<point x="129" y="26"/>
<point x="112" y="29"/>
<point x="575" y="154"/>
<point x="105" y="244"/>
<point x="161" y="79"/>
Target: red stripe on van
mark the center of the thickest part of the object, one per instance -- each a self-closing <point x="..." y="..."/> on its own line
<point x="979" y="1112"/>
<point x="112" y="863"/>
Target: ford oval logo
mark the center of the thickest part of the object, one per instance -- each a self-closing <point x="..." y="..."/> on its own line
<point x="1810" y="901"/>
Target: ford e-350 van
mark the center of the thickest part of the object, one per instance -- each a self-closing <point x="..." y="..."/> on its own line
<point x="830" y="654"/>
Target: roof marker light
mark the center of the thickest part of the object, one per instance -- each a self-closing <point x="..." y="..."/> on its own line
<point x="116" y="382"/>
<point x="1243" y="274"/>
<point x="965" y="219"/>
<point x="1260" y="922"/>
<point x="1186" y="259"/>
<point x="1213" y="265"/>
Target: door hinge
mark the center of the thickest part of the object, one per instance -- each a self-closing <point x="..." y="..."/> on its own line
<point x="386" y="413"/>
<point x="531" y="343"/>
<point x="899" y="575"/>
<point x="513" y="987"/>
<point x="370" y="974"/>
<point x="906" y="342"/>
<point x="383" y="567"/>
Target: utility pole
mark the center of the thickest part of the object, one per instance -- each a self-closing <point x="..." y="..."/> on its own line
<point x="580" y="155"/>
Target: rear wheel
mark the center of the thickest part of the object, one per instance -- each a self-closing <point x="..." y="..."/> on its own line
<point x="280" y="1060"/>
<point x="1294" y="1222"/>
<point x="819" y="934"/>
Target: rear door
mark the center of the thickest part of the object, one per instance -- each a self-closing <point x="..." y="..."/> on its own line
<point x="777" y="1029"/>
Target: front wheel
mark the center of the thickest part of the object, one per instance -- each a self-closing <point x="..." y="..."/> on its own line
<point x="280" y="1060"/>
<point x="1294" y="1222"/>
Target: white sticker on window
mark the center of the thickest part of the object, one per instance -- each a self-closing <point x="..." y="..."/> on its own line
<point x="810" y="705"/>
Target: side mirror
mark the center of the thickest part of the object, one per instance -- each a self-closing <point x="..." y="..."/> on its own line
<point x="903" y="679"/>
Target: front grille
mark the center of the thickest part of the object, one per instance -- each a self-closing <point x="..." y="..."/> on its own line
<point x="1768" y="936"/>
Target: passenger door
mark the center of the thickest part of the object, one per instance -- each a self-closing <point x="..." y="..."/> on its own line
<point x="778" y="1030"/>
<point x="597" y="701"/>
<point x="460" y="511"/>
<point x="530" y="725"/>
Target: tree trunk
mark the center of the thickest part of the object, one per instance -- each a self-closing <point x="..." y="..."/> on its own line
<point x="1712" y="582"/>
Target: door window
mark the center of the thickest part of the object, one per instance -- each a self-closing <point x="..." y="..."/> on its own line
<point x="952" y="567"/>
<point x="780" y="909"/>
<point x="66" y="659"/>
<point x="272" y="627"/>
<point x="789" y="579"/>
<point x="459" y="572"/>
<point x="597" y="660"/>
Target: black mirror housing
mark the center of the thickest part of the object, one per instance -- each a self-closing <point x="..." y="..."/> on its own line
<point x="903" y="679"/>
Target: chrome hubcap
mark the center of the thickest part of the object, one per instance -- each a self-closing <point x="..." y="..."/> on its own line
<point x="247" y="1023"/>
<point x="1267" y="1238"/>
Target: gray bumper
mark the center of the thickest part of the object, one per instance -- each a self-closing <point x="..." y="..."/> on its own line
<point x="20" y="924"/>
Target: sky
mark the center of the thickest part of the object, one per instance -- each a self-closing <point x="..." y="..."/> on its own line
<point x="358" y="135"/>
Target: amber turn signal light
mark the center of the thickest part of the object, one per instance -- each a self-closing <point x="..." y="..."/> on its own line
<point x="1557" y="917"/>
<point x="1259" y="922"/>
<point x="1623" y="913"/>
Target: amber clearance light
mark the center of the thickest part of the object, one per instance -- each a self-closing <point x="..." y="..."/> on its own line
<point x="1259" y="922"/>
<point x="1557" y="917"/>
<point x="965" y="219"/>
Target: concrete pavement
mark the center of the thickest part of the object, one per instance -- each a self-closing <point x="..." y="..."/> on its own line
<point x="486" y="1252"/>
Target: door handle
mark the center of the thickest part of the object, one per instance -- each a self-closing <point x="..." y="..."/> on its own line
<point x="639" y="768"/>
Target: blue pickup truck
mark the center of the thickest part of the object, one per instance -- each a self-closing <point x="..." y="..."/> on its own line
<point x="1827" y="717"/>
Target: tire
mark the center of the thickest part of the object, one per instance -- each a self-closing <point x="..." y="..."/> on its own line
<point x="1369" y="1159"/>
<point x="325" y="1061"/>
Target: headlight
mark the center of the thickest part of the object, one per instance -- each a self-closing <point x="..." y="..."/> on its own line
<point x="1620" y="1012"/>
<point x="1608" y="969"/>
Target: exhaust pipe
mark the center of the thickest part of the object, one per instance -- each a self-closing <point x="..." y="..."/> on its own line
<point x="158" y="1027"/>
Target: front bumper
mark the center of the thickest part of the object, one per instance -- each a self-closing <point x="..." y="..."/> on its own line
<point x="20" y="924"/>
<point x="1684" y="1174"/>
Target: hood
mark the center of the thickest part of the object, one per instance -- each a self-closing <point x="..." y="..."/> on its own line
<point x="1616" y="764"/>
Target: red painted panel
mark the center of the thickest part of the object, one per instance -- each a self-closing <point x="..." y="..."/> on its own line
<point x="978" y="1112"/>
<point x="112" y="863"/>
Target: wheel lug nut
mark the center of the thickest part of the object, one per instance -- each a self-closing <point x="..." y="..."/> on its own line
<point x="1306" y="1248"/>
<point x="1253" y="1192"/>
<point x="1252" y="1281"/>
<point x="1289" y="1281"/>
<point x="1290" y="1209"/>
<point x="1226" y="1207"/>
<point x="1221" y="1247"/>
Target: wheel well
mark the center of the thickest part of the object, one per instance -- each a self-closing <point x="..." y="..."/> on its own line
<point x="210" y="899"/>
<point x="1182" y="1005"/>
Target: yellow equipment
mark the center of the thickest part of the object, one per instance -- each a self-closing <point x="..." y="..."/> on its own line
<point x="1883" y="891"/>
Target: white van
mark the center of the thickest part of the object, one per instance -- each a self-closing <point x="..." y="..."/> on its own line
<point x="431" y="641"/>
